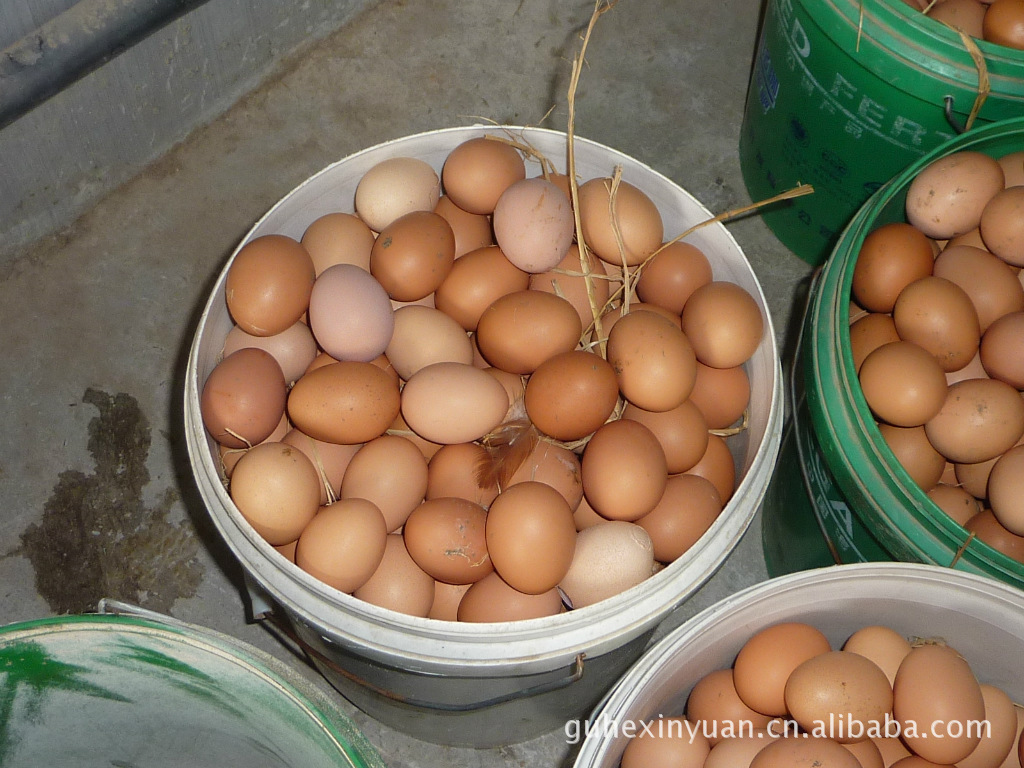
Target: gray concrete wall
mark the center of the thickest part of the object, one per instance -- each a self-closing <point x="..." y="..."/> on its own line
<point x="66" y="154"/>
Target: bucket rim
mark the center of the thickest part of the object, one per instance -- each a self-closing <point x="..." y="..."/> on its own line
<point x="494" y="645"/>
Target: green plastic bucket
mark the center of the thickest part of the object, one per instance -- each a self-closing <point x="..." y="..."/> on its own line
<point x="839" y="494"/>
<point x="115" y="689"/>
<point x="845" y="94"/>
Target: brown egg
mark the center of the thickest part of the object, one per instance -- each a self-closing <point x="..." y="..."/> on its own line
<point x="453" y="403"/>
<point x="964" y="15"/>
<point x="338" y="238"/>
<point x="891" y="257"/>
<point x="946" y="198"/>
<point x="447" y="597"/>
<point x="904" y="385"/>
<point x="1000" y="736"/>
<point x="667" y="742"/>
<point x="243" y="398"/>
<point x="294" y="348"/>
<point x="653" y="361"/>
<point x="1013" y="760"/>
<point x="868" y="333"/>
<point x="818" y="752"/>
<point x="839" y="687"/>
<point x="446" y="538"/>
<point x="471" y="230"/>
<point x="330" y="460"/>
<point x="1002" y="225"/>
<point x="350" y="314"/>
<point x="626" y="213"/>
<point x="884" y="646"/>
<point x="738" y="751"/>
<point x="1012" y="164"/>
<point x="277" y="490"/>
<point x="346" y="402"/>
<point x="723" y="323"/>
<point x="424" y="336"/>
<point x="567" y="280"/>
<point x="585" y="516"/>
<point x="391" y="472"/>
<point x="268" y="284"/>
<point x="521" y="330"/>
<point x="1002" y="349"/>
<point x="571" y="394"/>
<point x="343" y="544"/>
<point x="980" y="419"/>
<point x="681" y="431"/>
<point x="230" y="456"/>
<point x="1006" y="490"/>
<point x="687" y="509"/>
<point x="531" y="537"/>
<point x="717" y="465"/>
<point x="1004" y="24"/>
<point x="935" y="684"/>
<point x="867" y="753"/>
<point x="398" y="584"/>
<point x="973" y="370"/>
<point x="533" y="224"/>
<point x="492" y="600"/>
<point x="555" y="465"/>
<point x="715" y="707"/>
<point x="611" y="317"/>
<point x="672" y="275"/>
<point x="394" y="187"/>
<point x="454" y="471"/>
<point x="990" y="282"/>
<point x="413" y="255"/>
<point x="624" y="470"/>
<point x="476" y="172"/>
<point x="955" y="501"/>
<point x="973" y="478"/>
<point x="721" y="394"/>
<point x="610" y="558"/>
<point x="475" y="281"/>
<point x="915" y="454"/>
<point x="892" y="750"/>
<point x="986" y="528"/>
<point x="767" y="659"/>
<point x="972" y="238"/>
<point x="938" y="315"/>
<point x="288" y="550"/>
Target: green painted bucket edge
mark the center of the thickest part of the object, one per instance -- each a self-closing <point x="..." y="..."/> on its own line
<point x="354" y="748"/>
<point x="878" y="489"/>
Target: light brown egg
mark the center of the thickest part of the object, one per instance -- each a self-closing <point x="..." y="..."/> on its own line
<point x="391" y="472"/>
<point x="672" y="275"/>
<point x="973" y="370"/>
<point x="345" y="402"/>
<point x="818" y="752"/>
<point x="268" y="284"/>
<point x="329" y="459"/>
<point x="717" y="709"/>
<point x="453" y="403"/>
<point x="447" y="597"/>
<point x="567" y="280"/>
<point x="891" y="749"/>
<point x="555" y="465"/>
<point x="610" y="558"/>
<point x="687" y="509"/>
<point x="630" y="215"/>
<point x="723" y="323"/>
<point x="478" y="170"/>
<point x="277" y="490"/>
<point x="1002" y="225"/>
<point x="350" y="314"/>
<point x="883" y="645"/>
<point x="515" y="388"/>
<point x="868" y="333"/>
<point x="343" y="544"/>
<point x="739" y="751"/>
<point x="394" y="187"/>
<point x="533" y="224"/>
<point x="243" y="398"/>
<point x="946" y="198"/>
<point x="717" y="465"/>
<point x="915" y="453"/>
<point x="424" y="336"/>
<point x="624" y="470"/>
<point x="867" y="753"/>
<point x="990" y="282"/>
<point x="935" y="684"/>
<point x="1002" y="349"/>
<point x="938" y="315"/>
<point x="338" y="238"/>
<point x="653" y="361"/>
<point x="294" y="348"/>
<point x="571" y="394"/>
<point x="839" y="687"/>
<point x="955" y="501"/>
<point x="585" y="516"/>
<point x="1012" y="164"/>
<point x="454" y="471"/>
<point x="988" y="529"/>
<point x="667" y="742"/>
<point x="413" y="255"/>
<point x="721" y="394"/>
<point x="891" y="257"/>
<point x="446" y="538"/>
<point x="476" y="280"/>
<point x="1000" y="736"/>
<point x="980" y="419"/>
<point x="681" y="431"/>
<point x="492" y="600"/>
<point x="520" y="330"/>
<point x="230" y="456"/>
<point x="768" y="657"/>
<point x="398" y="584"/>
<point x="904" y="385"/>
<point x="471" y="230"/>
<point x="1013" y="760"/>
<point x="1006" y="490"/>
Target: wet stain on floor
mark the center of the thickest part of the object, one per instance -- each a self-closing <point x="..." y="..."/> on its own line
<point x="97" y="538"/>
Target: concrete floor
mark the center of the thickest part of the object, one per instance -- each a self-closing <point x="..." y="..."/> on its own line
<point x="97" y="493"/>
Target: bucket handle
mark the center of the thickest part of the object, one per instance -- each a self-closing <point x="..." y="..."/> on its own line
<point x="575" y="675"/>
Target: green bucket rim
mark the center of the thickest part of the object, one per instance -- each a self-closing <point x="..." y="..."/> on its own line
<point x="335" y="724"/>
<point x="903" y="518"/>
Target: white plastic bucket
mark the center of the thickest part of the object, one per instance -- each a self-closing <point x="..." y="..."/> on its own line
<point x="137" y="688"/>
<point x="982" y="618"/>
<point x="485" y="684"/>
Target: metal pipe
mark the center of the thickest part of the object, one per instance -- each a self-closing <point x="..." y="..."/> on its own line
<point x="70" y="46"/>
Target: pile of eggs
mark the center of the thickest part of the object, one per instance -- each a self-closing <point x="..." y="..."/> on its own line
<point x="937" y="339"/>
<point x="995" y="21"/>
<point x="434" y="403"/>
<point x="879" y="701"/>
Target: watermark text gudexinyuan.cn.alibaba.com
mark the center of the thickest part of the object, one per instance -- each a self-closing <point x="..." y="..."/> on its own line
<point x="841" y="728"/>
